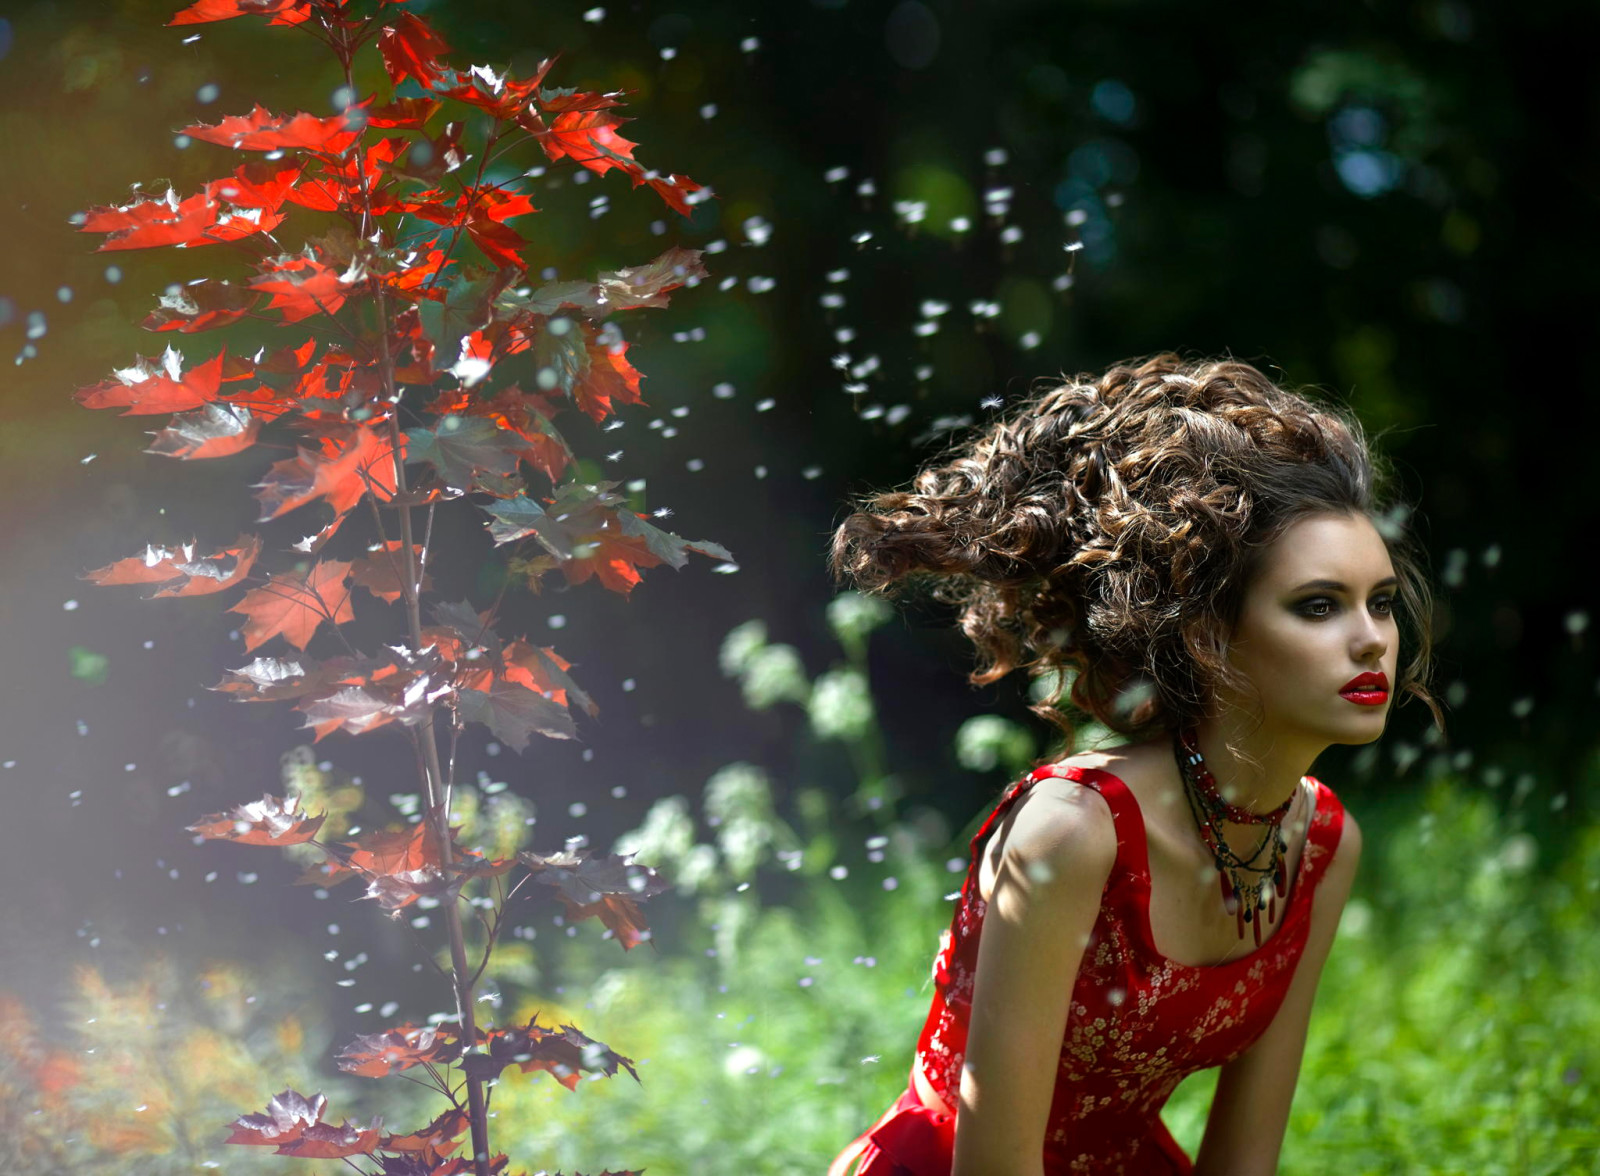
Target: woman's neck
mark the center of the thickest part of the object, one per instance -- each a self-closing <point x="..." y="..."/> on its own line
<point x="1261" y="786"/>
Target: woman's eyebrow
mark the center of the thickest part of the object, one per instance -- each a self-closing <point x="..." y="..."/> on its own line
<point x="1336" y="586"/>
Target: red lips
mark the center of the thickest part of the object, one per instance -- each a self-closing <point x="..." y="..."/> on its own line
<point x="1369" y="689"/>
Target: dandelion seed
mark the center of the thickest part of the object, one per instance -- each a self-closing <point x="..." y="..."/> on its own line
<point x="990" y="402"/>
<point x="1011" y="234"/>
<point x="811" y="472"/>
<point x="722" y="391"/>
<point x="667" y="54"/>
<point x="835" y="174"/>
<point x="1029" y="340"/>
<point x="960" y="224"/>
<point x="761" y="471"/>
<point x="897" y="413"/>
<point x="728" y="282"/>
<point x="628" y="685"/>
<point x="911" y="212"/>
<point x="749" y="44"/>
<point x="757" y="230"/>
<point x="709" y="110"/>
<point x="593" y="16"/>
<point x="694" y="465"/>
<point x="556" y="621"/>
<point x="189" y="40"/>
<point x="760" y="285"/>
<point x="924" y="329"/>
<point x="1061" y="282"/>
<point x="844" y="334"/>
<point x="862" y="237"/>
<point x="764" y="405"/>
<point x="614" y="455"/>
<point x="838" y="275"/>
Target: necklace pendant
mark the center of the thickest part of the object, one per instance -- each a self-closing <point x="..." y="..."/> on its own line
<point x="1255" y="929"/>
<point x="1238" y="913"/>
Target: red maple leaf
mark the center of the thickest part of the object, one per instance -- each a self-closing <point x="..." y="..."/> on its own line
<point x="296" y="604"/>
<point x="403" y="113"/>
<point x="155" y="385"/>
<point x="269" y="821"/>
<point x="288" y="1114"/>
<point x="200" y="306"/>
<point x="381" y="572"/>
<point x="501" y="95"/>
<point x="261" y="130"/>
<point x="376" y="1055"/>
<point x="200" y="219"/>
<point x="587" y="135"/>
<point x="282" y="12"/>
<point x="441" y="1137"/>
<point x="341" y="474"/>
<point x="411" y="48"/>
<point x="179" y="572"/>
<point x="608" y="378"/>
<point x="324" y="1141"/>
<point x="300" y="286"/>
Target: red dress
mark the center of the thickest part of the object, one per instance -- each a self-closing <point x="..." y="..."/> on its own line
<point x="1138" y="1023"/>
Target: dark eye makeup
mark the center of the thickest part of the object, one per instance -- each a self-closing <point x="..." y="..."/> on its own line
<point x="1305" y="607"/>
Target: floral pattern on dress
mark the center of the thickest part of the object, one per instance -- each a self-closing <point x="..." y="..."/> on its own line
<point x="1138" y="1023"/>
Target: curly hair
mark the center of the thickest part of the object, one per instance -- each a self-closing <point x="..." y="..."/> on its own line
<point x="1104" y="531"/>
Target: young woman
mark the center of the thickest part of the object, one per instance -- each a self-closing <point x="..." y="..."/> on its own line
<point x="1206" y="559"/>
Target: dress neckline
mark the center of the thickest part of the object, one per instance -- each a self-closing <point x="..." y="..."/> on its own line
<point x="1139" y="864"/>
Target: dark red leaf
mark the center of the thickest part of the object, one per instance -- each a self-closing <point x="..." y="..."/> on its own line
<point x="411" y="48"/>
<point x="269" y="821"/>
<point x="282" y="12"/>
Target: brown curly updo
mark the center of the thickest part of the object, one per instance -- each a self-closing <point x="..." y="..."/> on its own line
<point x="1104" y="530"/>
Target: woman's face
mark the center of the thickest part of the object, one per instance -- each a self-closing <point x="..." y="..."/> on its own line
<point x="1319" y="613"/>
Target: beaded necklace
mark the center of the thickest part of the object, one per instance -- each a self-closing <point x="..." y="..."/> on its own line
<point x="1210" y="810"/>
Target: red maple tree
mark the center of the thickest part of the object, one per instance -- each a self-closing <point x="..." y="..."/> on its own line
<point x="414" y="296"/>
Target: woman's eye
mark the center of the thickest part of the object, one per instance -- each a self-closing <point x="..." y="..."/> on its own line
<point x="1387" y="603"/>
<point x="1311" y="607"/>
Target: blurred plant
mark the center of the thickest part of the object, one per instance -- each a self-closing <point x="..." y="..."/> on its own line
<point x="391" y="303"/>
<point x="838" y="702"/>
<point x="153" y="1065"/>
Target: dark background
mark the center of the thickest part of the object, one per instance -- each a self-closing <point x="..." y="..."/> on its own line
<point x="1394" y="203"/>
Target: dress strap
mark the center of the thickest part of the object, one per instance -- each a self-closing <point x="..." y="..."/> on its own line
<point x="1327" y="826"/>
<point x="1132" y="863"/>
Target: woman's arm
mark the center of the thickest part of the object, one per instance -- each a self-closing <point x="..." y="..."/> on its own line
<point x="1250" y="1110"/>
<point x="1054" y="862"/>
